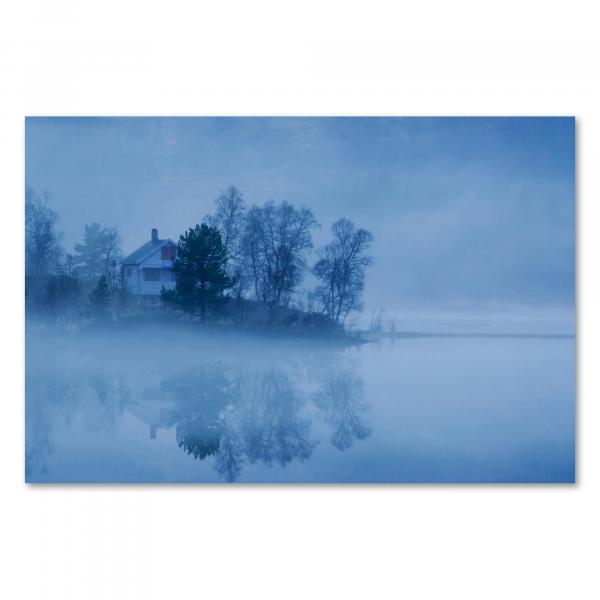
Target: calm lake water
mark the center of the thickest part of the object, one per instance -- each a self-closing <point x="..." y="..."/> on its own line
<point x="169" y="405"/>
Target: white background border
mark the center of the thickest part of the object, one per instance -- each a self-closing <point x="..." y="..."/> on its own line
<point x="352" y="58"/>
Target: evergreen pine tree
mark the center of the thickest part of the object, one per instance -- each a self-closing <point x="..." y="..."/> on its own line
<point x="98" y="252"/>
<point x="200" y="272"/>
<point x="100" y="298"/>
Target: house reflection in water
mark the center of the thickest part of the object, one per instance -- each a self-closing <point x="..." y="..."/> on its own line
<point x="154" y="409"/>
<point x="243" y="417"/>
<point x="237" y="416"/>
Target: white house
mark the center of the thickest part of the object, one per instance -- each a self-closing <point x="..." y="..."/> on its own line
<point x="150" y="268"/>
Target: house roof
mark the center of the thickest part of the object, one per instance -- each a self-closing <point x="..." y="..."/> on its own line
<point x="137" y="256"/>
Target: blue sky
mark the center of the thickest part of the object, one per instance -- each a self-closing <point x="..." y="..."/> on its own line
<point x="465" y="211"/>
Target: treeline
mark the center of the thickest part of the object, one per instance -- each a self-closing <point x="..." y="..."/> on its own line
<point x="261" y="254"/>
<point x="238" y="263"/>
<point x="63" y="286"/>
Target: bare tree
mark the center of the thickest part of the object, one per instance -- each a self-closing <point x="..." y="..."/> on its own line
<point x="42" y="249"/>
<point x="377" y="317"/>
<point x="229" y="219"/>
<point x="275" y="242"/>
<point x="251" y="247"/>
<point x="341" y="270"/>
<point x="42" y="242"/>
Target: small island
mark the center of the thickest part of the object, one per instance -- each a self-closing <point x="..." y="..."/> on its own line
<point x="240" y="268"/>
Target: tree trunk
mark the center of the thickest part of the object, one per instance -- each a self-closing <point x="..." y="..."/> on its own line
<point x="202" y="304"/>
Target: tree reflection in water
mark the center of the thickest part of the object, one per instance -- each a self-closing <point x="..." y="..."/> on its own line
<point x="229" y="459"/>
<point x="246" y="416"/>
<point x="341" y="400"/>
<point x="48" y="401"/>
<point x="38" y="444"/>
<point x="235" y="415"/>
<point x="201" y="396"/>
<point x="272" y="426"/>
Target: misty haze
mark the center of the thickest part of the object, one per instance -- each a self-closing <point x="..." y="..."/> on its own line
<point x="298" y="300"/>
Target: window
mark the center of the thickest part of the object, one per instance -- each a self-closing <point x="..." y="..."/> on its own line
<point x="167" y="252"/>
<point x="151" y="274"/>
<point x="128" y="272"/>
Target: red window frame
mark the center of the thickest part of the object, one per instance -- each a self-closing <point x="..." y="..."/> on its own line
<point x="167" y="252"/>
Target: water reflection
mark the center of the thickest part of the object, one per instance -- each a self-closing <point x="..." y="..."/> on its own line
<point x="341" y="400"/>
<point x="204" y="409"/>
<point x="272" y="424"/>
<point x="240" y="416"/>
<point x="200" y="398"/>
<point x="232" y="415"/>
<point x="107" y="403"/>
<point x="48" y="401"/>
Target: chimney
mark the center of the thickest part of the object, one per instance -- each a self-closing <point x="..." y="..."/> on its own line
<point x="155" y="235"/>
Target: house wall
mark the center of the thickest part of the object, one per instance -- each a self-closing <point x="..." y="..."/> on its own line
<point x="133" y="281"/>
<point x="154" y="261"/>
<point x="137" y="285"/>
